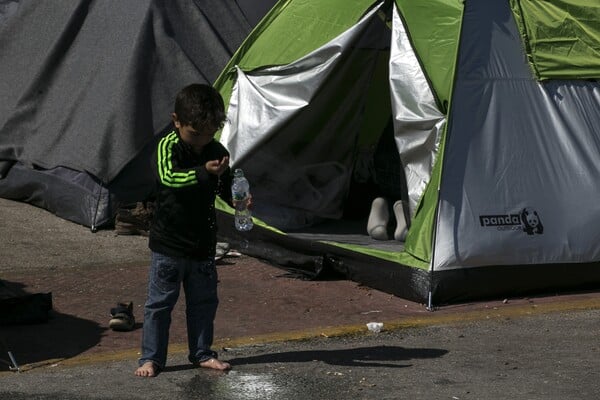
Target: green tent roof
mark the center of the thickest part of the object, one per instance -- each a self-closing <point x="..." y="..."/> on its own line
<point x="562" y="37"/>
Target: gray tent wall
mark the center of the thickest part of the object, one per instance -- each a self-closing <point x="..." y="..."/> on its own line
<point x="518" y="207"/>
<point x="514" y="146"/>
<point x="88" y="86"/>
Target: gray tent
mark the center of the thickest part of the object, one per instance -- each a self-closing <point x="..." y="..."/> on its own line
<point x="87" y="86"/>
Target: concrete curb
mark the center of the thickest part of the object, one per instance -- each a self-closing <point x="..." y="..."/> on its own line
<point x="432" y="319"/>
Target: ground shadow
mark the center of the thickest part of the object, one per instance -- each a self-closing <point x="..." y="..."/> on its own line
<point x="376" y="356"/>
<point x="62" y="336"/>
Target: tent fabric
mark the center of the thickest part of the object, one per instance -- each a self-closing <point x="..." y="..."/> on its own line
<point x="88" y="87"/>
<point x="562" y="37"/>
<point x="539" y="153"/>
<point x="321" y="24"/>
<point x="99" y="69"/>
<point x="418" y="122"/>
<point x="270" y="110"/>
<point x="500" y="166"/>
<point x="434" y="28"/>
<point x="71" y="195"/>
<point x="273" y="96"/>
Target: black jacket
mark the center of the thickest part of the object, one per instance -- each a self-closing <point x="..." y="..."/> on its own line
<point x="184" y="221"/>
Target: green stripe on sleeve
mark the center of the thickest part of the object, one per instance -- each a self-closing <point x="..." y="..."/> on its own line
<point x="167" y="175"/>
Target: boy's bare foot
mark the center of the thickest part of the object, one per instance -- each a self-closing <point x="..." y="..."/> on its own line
<point x="147" y="369"/>
<point x="214" y="363"/>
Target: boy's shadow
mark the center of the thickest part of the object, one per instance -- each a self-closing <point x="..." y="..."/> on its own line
<point x="376" y="356"/>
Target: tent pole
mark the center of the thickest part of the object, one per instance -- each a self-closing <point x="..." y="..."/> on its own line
<point x="94" y="226"/>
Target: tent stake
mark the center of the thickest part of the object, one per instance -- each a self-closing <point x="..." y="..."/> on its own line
<point x="433" y="240"/>
<point x="14" y="366"/>
<point x="429" y="303"/>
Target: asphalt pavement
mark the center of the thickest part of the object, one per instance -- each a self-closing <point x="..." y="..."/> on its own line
<point x="286" y="338"/>
<point x="549" y="356"/>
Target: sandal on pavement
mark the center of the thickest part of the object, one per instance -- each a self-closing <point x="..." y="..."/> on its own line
<point x="122" y="317"/>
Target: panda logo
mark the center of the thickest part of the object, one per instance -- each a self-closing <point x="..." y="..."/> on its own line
<point x="531" y="221"/>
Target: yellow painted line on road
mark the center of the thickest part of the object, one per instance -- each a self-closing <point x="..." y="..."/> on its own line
<point x="430" y="319"/>
<point x="434" y="318"/>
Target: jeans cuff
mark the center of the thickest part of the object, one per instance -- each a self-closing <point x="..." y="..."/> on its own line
<point x="203" y="357"/>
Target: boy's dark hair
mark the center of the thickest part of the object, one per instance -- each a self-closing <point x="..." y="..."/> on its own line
<point x="200" y="106"/>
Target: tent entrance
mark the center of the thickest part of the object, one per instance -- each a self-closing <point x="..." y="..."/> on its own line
<point x="312" y="171"/>
<point x="351" y="232"/>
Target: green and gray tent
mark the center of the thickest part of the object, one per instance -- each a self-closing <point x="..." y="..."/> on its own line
<point x="495" y="107"/>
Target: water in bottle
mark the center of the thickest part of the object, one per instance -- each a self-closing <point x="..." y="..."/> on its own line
<point x="240" y="193"/>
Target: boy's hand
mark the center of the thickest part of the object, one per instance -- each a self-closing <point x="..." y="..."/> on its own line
<point x="217" y="167"/>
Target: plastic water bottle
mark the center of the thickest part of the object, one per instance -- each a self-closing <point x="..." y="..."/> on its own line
<point x="240" y="194"/>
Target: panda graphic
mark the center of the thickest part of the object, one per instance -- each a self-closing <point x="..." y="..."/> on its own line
<point x="531" y="221"/>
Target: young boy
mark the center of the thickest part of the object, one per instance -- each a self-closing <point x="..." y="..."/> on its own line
<point x="191" y="169"/>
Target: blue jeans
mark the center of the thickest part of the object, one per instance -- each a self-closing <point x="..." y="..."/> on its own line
<point x="199" y="280"/>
